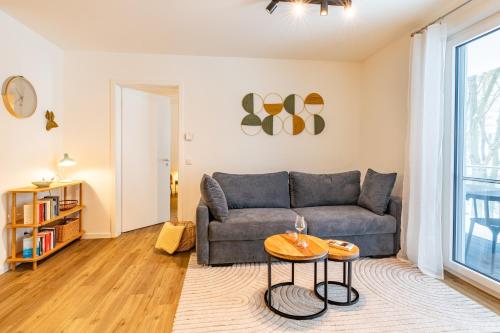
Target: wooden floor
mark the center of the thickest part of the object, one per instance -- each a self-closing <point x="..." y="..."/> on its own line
<point x="112" y="285"/>
<point x="104" y="285"/>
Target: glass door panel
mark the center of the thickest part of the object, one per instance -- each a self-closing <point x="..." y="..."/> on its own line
<point x="477" y="155"/>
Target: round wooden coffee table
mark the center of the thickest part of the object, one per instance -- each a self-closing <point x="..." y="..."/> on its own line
<point x="346" y="258"/>
<point x="284" y="248"/>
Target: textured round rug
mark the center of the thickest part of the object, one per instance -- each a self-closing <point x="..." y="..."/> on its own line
<point x="394" y="297"/>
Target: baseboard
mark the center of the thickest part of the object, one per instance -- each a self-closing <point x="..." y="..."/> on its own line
<point x="96" y="235"/>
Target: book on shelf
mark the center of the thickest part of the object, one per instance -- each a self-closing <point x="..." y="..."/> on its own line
<point x="48" y="208"/>
<point x="46" y="241"/>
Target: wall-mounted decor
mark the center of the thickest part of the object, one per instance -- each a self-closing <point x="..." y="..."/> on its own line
<point x="267" y="114"/>
<point x="19" y="97"/>
<point x="49" y="115"/>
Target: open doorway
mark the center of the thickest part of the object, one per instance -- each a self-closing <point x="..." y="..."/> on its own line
<point x="147" y="155"/>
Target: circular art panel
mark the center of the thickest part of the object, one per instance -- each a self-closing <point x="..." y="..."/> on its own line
<point x="272" y="125"/>
<point x="315" y="124"/>
<point x="251" y="124"/>
<point x="314" y="103"/>
<point x="294" y="104"/>
<point x="252" y="103"/>
<point x="294" y="125"/>
<point x="273" y="104"/>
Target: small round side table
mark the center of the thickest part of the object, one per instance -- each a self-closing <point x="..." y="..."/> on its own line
<point x="283" y="248"/>
<point x="346" y="258"/>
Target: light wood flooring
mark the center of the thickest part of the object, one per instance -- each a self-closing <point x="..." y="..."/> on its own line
<point x="103" y="285"/>
<point x="111" y="285"/>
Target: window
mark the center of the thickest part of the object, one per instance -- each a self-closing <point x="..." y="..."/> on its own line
<point x="477" y="155"/>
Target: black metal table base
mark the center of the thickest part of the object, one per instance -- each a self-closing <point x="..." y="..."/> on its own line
<point x="270" y="287"/>
<point x="347" y="276"/>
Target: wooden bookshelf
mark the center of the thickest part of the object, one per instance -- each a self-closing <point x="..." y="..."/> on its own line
<point x="17" y="256"/>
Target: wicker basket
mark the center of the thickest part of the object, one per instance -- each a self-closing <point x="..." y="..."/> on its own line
<point x="188" y="239"/>
<point x="67" y="204"/>
<point x="70" y="229"/>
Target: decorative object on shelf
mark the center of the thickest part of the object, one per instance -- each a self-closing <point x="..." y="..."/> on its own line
<point x="43" y="183"/>
<point x="273" y="121"/>
<point x="323" y="11"/>
<point x="19" y="97"/>
<point x="49" y="115"/>
<point x="67" y="204"/>
<point x="66" y="162"/>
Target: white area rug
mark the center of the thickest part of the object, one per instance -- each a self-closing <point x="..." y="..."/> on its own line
<point x="394" y="297"/>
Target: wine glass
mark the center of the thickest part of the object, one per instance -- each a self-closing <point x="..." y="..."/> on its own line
<point x="300" y="225"/>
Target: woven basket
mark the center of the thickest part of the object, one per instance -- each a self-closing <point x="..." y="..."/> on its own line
<point x="188" y="239"/>
<point x="69" y="230"/>
<point x="67" y="204"/>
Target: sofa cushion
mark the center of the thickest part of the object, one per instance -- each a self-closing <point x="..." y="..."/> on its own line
<point x="376" y="191"/>
<point x="214" y="197"/>
<point x="310" y="190"/>
<point x="255" y="191"/>
<point x="252" y="224"/>
<point x="330" y="221"/>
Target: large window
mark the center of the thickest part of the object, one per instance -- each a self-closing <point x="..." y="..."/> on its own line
<point x="477" y="155"/>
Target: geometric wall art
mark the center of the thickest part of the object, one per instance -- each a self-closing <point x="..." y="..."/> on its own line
<point x="273" y="115"/>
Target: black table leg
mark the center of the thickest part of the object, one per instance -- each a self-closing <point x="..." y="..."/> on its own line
<point x="269" y="280"/>
<point x="346" y="283"/>
<point x="326" y="283"/>
<point x="293" y="273"/>
<point x="349" y="280"/>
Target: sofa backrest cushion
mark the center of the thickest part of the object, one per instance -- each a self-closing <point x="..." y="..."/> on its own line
<point x="255" y="191"/>
<point x="214" y="197"/>
<point x="309" y="190"/>
<point x="376" y="192"/>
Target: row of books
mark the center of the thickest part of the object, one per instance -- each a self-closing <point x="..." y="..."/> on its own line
<point x="46" y="240"/>
<point x="48" y="208"/>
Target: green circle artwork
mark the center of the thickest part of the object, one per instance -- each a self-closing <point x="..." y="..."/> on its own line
<point x="251" y="124"/>
<point x="274" y="122"/>
<point x="252" y="103"/>
<point x="272" y="125"/>
<point x="294" y="104"/>
<point x="315" y="124"/>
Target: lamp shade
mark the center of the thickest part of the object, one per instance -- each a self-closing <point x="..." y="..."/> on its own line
<point x="66" y="161"/>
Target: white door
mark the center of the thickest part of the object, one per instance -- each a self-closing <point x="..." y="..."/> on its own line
<point x="145" y="159"/>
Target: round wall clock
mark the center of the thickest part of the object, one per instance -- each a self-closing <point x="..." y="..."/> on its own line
<point x="19" y="97"/>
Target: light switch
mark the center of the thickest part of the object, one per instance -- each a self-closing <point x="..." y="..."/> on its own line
<point x="188" y="136"/>
<point x="189" y="161"/>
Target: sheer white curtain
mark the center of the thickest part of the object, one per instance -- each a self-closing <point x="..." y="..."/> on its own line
<point x="423" y="183"/>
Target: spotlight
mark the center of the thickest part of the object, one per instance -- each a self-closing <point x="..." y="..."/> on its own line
<point x="324" y="8"/>
<point x="272" y="6"/>
<point x="298" y="7"/>
<point x="348" y="8"/>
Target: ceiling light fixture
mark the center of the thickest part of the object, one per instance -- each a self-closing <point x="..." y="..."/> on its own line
<point x="324" y="8"/>
<point x="299" y="5"/>
<point x="272" y="6"/>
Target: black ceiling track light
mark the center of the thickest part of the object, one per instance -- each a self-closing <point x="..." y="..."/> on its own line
<point x="323" y="4"/>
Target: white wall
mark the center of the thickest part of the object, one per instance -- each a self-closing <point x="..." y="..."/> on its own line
<point x="384" y="109"/>
<point x="211" y="93"/>
<point x="29" y="152"/>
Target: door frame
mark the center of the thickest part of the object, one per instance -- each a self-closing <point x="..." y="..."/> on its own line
<point x="116" y="149"/>
<point x="480" y="281"/>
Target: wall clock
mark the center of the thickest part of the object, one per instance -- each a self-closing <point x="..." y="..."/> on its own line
<point x="19" y="97"/>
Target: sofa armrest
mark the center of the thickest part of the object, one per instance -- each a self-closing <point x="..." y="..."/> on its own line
<point x="394" y="209"/>
<point x="202" y="221"/>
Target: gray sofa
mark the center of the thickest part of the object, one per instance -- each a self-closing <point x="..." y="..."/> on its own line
<point x="267" y="204"/>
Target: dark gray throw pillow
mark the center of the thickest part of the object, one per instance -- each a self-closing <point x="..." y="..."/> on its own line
<point x="376" y="191"/>
<point x="309" y="190"/>
<point x="214" y="197"/>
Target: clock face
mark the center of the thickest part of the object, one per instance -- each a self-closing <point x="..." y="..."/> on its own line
<point x="19" y="97"/>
